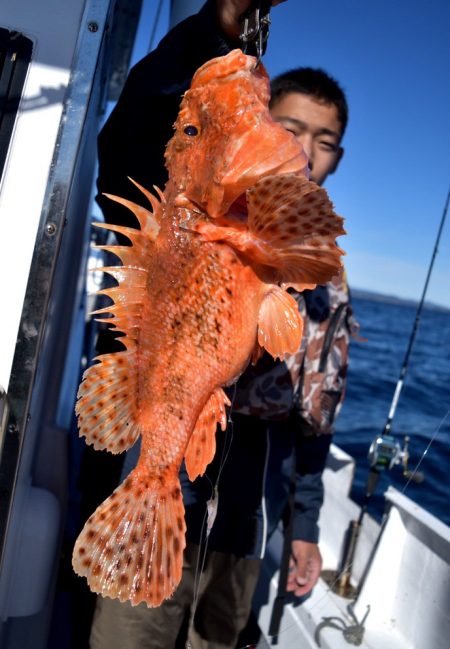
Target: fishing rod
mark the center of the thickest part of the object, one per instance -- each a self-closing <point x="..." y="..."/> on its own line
<point x="385" y="451"/>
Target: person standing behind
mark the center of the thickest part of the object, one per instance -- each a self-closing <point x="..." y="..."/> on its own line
<point x="283" y="412"/>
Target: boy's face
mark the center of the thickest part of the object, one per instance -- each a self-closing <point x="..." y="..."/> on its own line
<point x="316" y="126"/>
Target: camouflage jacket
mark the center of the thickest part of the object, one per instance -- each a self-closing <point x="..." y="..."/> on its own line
<point x="312" y="382"/>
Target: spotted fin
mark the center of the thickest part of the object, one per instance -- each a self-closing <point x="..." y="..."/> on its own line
<point x="280" y="325"/>
<point x="131" y="548"/>
<point x="202" y="444"/>
<point x="106" y="406"/>
<point x="291" y="230"/>
<point x="294" y="219"/>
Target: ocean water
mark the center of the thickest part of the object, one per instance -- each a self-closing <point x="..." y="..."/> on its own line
<point x="423" y="412"/>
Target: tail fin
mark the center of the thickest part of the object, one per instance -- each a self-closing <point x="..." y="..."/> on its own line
<point x="131" y="548"/>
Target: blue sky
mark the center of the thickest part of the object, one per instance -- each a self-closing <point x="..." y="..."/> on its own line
<point x="392" y="57"/>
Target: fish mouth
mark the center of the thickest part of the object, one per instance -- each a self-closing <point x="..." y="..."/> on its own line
<point x="239" y="208"/>
<point x="248" y="172"/>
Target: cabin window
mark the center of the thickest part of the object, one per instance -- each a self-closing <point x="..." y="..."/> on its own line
<point x="15" y="57"/>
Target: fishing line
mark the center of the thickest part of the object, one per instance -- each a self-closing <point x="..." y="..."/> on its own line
<point x="401" y="379"/>
<point x="201" y="558"/>
<point x="228" y="439"/>
<point x="204" y="537"/>
<point x="422" y="457"/>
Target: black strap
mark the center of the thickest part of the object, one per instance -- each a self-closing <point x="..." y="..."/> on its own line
<point x="280" y="600"/>
<point x="335" y="321"/>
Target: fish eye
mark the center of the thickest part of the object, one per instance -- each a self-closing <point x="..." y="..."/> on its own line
<point x="191" y="130"/>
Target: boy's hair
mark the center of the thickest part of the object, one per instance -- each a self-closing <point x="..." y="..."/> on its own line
<point x="314" y="82"/>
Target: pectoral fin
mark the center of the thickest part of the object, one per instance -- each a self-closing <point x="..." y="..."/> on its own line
<point x="280" y="325"/>
<point x="202" y="445"/>
<point x="294" y="219"/>
<point x="291" y="228"/>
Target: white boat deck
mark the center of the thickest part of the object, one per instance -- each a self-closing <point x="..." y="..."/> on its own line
<point x="402" y="574"/>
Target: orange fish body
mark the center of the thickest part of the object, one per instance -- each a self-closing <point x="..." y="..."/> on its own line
<point x="200" y="292"/>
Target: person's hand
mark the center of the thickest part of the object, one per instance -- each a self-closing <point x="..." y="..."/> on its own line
<point x="305" y="567"/>
<point x="229" y="12"/>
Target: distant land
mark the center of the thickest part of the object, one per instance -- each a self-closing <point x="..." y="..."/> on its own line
<point x="393" y="299"/>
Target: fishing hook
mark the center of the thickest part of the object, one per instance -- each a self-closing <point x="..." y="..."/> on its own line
<point x="255" y="28"/>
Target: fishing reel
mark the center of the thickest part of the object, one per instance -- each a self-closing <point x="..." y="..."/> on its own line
<point x="385" y="452"/>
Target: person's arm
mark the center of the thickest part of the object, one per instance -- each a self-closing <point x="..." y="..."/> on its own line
<point x="305" y="567"/>
<point x="322" y="394"/>
<point x="306" y="561"/>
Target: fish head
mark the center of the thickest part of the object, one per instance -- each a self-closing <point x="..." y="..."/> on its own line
<point x="225" y="140"/>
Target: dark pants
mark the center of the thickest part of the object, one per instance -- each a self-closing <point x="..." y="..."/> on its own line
<point x="225" y="591"/>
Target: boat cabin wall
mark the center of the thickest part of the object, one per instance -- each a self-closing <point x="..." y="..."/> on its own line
<point x="53" y="28"/>
<point x="46" y="185"/>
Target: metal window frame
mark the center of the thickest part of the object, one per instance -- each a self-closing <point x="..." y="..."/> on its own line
<point x="15" y="57"/>
<point x="38" y="295"/>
